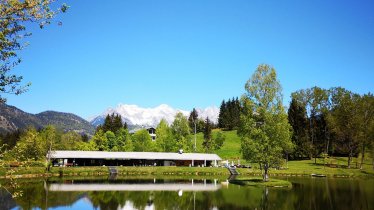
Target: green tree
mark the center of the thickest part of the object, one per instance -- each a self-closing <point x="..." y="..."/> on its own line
<point x="10" y="139"/>
<point x="297" y="118"/>
<point x="14" y="16"/>
<point x="222" y="115"/>
<point x="366" y="120"/>
<point x="219" y="140"/>
<point x="208" y="143"/>
<point x="317" y="105"/>
<point x="29" y="147"/>
<point x="124" y="141"/>
<point x="86" y="146"/>
<point x="229" y="114"/>
<point x="165" y="141"/>
<point x="200" y="125"/>
<point x="50" y="137"/>
<point x="264" y="130"/>
<point x="142" y="141"/>
<point x="69" y="141"/>
<point x="345" y="121"/>
<point x="181" y="132"/>
<point x="192" y="120"/>
<point x="111" y="141"/>
<point x="112" y="123"/>
<point x="99" y="141"/>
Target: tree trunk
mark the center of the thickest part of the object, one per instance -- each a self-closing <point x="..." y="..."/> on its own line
<point x="349" y="160"/>
<point x="315" y="159"/>
<point x="266" y="169"/>
<point x="287" y="160"/>
<point x="362" y="155"/>
<point x="328" y="141"/>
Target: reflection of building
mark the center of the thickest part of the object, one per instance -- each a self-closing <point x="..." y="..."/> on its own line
<point x="99" y="158"/>
<point x="136" y="187"/>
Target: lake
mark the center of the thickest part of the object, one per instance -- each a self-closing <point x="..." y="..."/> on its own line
<point x="177" y="193"/>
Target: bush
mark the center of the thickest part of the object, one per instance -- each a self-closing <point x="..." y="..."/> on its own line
<point x="33" y="164"/>
<point x="23" y="164"/>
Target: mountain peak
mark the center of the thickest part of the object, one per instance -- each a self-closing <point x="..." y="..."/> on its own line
<point x="139" y="116"/>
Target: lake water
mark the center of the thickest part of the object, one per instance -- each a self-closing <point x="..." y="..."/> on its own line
<point x="152" y="193"/>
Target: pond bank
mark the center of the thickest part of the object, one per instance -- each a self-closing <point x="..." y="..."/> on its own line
<point x="30" y="172"/>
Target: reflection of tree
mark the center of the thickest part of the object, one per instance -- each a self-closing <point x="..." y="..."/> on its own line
<point x="11" y="185"/>
<point x="107" y="200"/>
<point x="34" y="196"/>
<point x="6" y="200"/>
<point x="305" y="194"/>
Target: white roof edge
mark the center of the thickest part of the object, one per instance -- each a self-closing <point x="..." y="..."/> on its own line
<point x="133" y="155"/>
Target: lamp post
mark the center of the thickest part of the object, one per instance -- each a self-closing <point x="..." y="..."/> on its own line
<point x="194" y="121"/>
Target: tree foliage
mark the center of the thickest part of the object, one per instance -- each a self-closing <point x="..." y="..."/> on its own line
<point x="316" y="102"/>
<point x="142" y="141"/>
<point x="208" y="143"/>
<point x="345" y="121"/>
<point x="30" y="147"/>
<point x="181" y="132"/>
<point x="14" y="15"/>
<point x="297" y="118"/>
<point x="193" y="120"/>
<point x="165" y="141"/>
<point x="339" y="122"/>
<point x="229" y="114"/>
<point x="113" y="123"/>
<point x="264" y="130"/>
<point x="219" y="139"/>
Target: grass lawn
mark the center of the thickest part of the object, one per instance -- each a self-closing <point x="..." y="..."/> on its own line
<point x="257" y="181"/>
<point x="307" y="167"/>
<point x="230" y="149"/>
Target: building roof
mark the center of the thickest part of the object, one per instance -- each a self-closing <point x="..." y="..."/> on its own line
<point x="133" y="155"/>
<point x="132" y="131"/>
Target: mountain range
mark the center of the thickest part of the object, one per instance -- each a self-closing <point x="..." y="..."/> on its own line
<point x="134" y="115"/>
<point x="12" y="118"/>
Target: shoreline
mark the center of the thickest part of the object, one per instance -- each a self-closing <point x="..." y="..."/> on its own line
<point x="34" y="172"/>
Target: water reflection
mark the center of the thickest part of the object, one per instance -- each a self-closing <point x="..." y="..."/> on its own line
<point x="307" y="193"/>
<point x="155" y="185"/>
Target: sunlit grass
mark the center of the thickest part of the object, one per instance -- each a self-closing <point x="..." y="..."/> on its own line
<point x="258" y="181"/>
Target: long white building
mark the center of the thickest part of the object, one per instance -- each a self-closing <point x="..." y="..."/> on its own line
<point x="99" y="158"/>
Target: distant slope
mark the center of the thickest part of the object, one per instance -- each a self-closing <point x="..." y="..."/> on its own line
<point x="230" y="149"/>
<point x="12" y="118"/>
<point x="66" y="121"/>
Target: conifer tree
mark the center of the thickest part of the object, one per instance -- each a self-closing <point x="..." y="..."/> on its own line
<point x="192" y="120"/>
<point x="298" y="120"/>
<point x="221" y="118"/>
<point x="264" y="128"/>
<point x="208" y="142"/>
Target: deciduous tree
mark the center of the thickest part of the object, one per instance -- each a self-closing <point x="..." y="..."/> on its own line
<point x="142" y="141"/>
<point x="14" y="15"/>
<point x="165" y="141"/>
<point x="264" y="131"/>
<point x="181" y="132"/>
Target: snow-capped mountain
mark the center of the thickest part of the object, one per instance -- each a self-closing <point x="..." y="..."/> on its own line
<point x="135" y="115"/>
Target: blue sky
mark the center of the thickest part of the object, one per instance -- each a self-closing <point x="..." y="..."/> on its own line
<point x="192" y="53"/>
